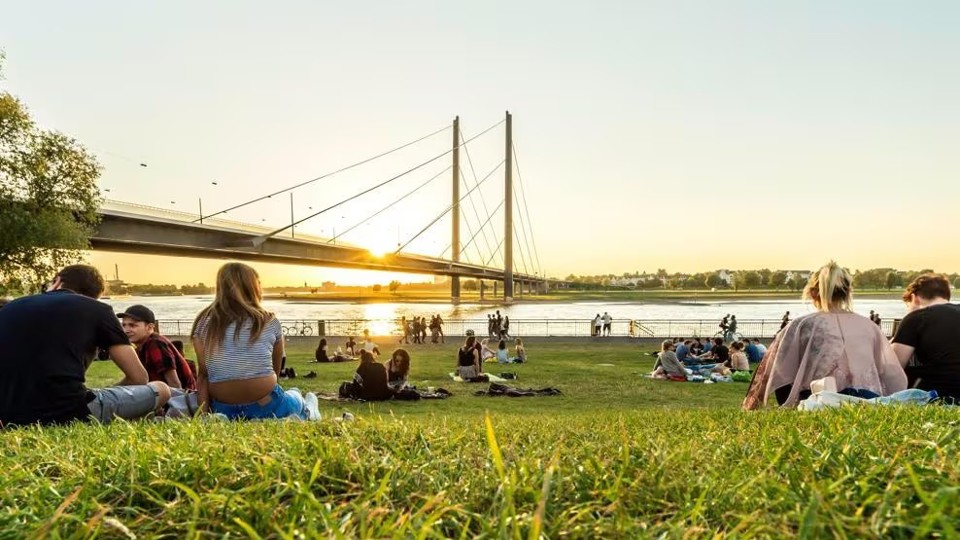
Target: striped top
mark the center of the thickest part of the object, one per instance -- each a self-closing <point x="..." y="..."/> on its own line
<point x="239" y="359"/>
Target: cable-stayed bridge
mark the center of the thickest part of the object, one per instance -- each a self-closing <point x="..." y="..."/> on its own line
<point x="134" y="228"/>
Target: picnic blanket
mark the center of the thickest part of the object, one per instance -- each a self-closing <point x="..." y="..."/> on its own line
<point x="489" y="376"/>
<point x="496" y="389"/>
<point x="410" y="393"/>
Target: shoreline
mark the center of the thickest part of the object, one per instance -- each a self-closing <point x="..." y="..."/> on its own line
<point x="629" y="297"/>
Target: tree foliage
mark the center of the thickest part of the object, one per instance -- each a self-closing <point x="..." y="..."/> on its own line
<point x="393" y="286"/>
<point x="48" y="199"/>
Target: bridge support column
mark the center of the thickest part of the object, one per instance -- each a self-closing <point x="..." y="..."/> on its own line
<point x="508" y="213"/>
<point x="455" y="232"/>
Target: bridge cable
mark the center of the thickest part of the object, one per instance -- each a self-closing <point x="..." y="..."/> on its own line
<point x="523" y="230"/>
<point x="533" y="238"/>
<point x="522" y="258"/>
<point x="442" y="253"/>
<point x="485" y="222"/>
<point x="483" y="201"/>
<point x="491" y="257"/>
<point x="327" y="175"/>
<point x="387" y="207"/>
<point x="381" y="184"/>
<point x="449" y="208"/>
<point x="466" y="221"/>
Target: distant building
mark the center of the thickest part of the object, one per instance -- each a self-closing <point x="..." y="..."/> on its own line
<point x="726" y="276"/>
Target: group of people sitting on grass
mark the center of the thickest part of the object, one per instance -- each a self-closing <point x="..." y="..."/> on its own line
<point x="679" y="359"/>
<point x="850" y="351"/>
<point x="349" y="352"/>
<point x="50" y="339"/>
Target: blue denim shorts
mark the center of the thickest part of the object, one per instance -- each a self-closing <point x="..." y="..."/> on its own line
<point x="282" y="404"/>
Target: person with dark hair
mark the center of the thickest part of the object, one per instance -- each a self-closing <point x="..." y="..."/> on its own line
<point x="178" y="345"/>
<point x="440" y="328"/>
<point x="926" y="339"/>
<point x="48" y="341"/>
<point x="752" y="351"/>
<point x="371" y="379"/>
<point x="4" y="301"/>
<point x="696" y="348"/>
<point x="398" y="369"/>
<point x="350" y="348"/>
<point x="468" y="359"/>
<point x="738" y="358"/>
<point x="321" y="353"/>
<point x="160" y="358"/>
<point x="785" y="320"/>
<point x="502" y="356"/>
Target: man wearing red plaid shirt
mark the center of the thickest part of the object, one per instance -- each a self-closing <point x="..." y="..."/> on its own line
<point x="161" y="359"/>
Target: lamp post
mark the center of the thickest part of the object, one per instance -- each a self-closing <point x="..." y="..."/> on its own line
<point x="200" y="204"/>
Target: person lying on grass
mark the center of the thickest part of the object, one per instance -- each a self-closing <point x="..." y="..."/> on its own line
<point x="398" y="369"/>
<point x="667" y="366"/>
<point x="832" y="342"/>
<point x="239" y="348"/>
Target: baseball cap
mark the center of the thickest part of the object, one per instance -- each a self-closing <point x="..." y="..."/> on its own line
<point x="138" y="313"/>
<point x="470" y="333"/>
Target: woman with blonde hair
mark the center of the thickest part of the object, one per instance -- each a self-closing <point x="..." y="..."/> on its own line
<point x="239" y="348"/>
<point x="831" y="342"/>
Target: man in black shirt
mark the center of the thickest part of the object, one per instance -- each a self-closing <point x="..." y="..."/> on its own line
<point x="926" y="340"/>
<point x="48" y="340"/>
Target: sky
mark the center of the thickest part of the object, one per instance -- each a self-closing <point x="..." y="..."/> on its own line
<point x="686" y="135"/>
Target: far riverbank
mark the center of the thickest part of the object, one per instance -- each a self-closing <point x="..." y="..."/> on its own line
<point x="560" y="296"/>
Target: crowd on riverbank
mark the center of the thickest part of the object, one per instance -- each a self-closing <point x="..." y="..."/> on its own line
<point x="49" y="340"/>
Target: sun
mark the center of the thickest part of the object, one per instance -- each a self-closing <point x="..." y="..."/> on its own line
<point x="380" y="248"/>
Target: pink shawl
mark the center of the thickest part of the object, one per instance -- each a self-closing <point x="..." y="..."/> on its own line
<point x="846" y="346"/>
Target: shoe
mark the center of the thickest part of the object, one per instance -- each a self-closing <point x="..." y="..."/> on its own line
<point x="312" y="404"/>
<point x="291" y="373"/>
<point x="311" y="375"/>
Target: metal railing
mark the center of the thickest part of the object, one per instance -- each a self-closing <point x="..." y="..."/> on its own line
<point x="646" y="328"/>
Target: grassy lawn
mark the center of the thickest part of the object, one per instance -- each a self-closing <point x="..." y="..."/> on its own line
<point x="615" y="456"/>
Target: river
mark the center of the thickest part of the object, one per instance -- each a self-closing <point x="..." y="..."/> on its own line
<point x="185" y="308"/>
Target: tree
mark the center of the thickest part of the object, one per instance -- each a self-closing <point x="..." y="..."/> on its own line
<point x="48" y="199"/>
<point x="714" y="280"/>
<point x="662" y="276"/>
<point x="393" y="286"/>
<point x="893" y="280"/>
<point x="752" y="279"/>
<point x="777" y="279"/>
<point x="470" y="285"/>
<point x="377" y="288"/>
<point x="956" y="283"/>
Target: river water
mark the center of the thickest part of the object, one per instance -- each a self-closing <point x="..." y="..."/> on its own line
<point x="185" y="308"/>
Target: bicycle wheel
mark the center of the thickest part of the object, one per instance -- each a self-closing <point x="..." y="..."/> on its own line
<point x="307" y="331"/>
<point x="286" y="330"/>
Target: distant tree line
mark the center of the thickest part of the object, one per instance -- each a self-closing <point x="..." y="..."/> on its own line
<point x="792" y="280"/>
<point x="150" y="289"/>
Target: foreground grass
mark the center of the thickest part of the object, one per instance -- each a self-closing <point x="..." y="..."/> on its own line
<point x="659" y="459"/>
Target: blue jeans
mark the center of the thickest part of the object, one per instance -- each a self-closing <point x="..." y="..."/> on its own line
<point x="282" y="404"/>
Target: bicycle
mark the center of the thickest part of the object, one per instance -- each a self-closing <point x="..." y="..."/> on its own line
<point x="735" y="336"/>
<point x="298" y="328"/>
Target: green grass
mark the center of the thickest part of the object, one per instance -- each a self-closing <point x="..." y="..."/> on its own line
<point x="615" y="456"/>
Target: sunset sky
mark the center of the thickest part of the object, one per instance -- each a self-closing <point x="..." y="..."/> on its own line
<point x="687" y="135"/>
